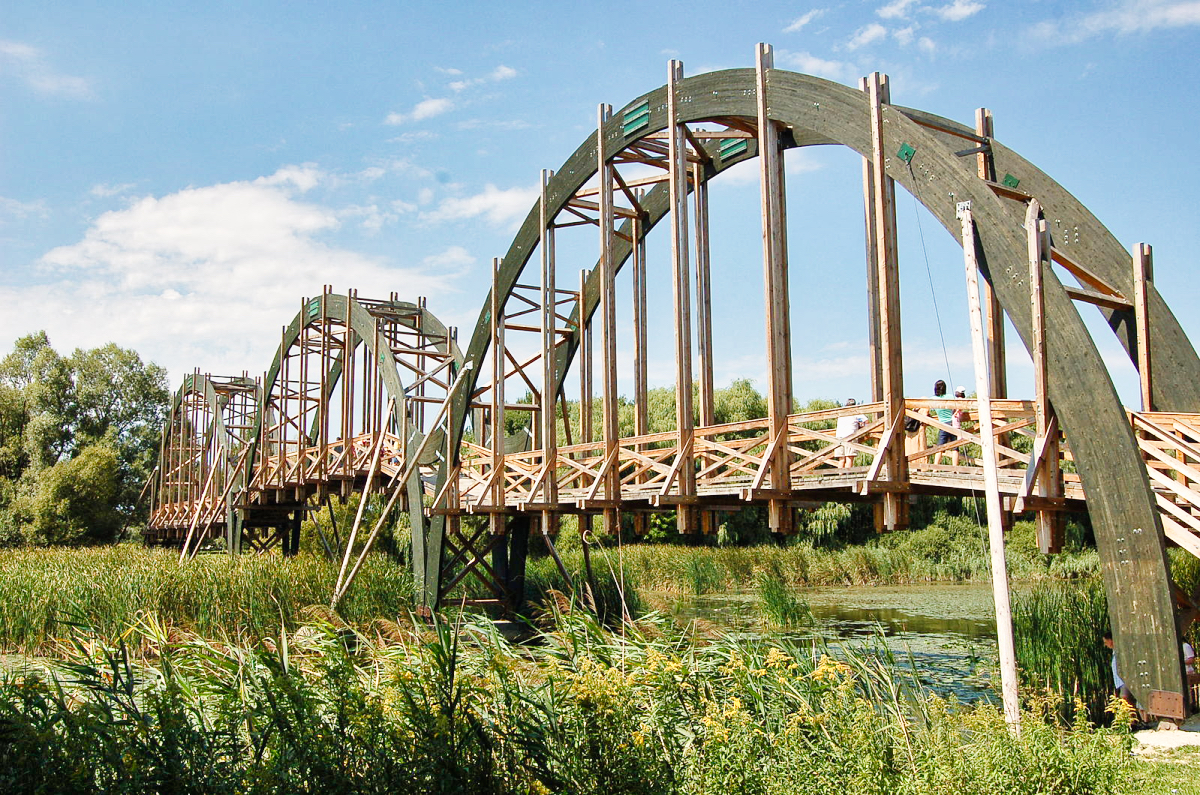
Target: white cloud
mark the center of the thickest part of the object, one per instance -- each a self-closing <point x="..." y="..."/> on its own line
<point x="412" y="137"/>
<point x="28" y="64"/>
<point x="501" y="72"/>
<point x="1124" y="18"/>
<point x="453" y="260"/>
<point x="11" y="208"/>
<point x="904" y="35"/>
<point x="810" y="64"/>
<point x="105" y="191"/>
<point x="801" y="161"/>
<point x="798" y="23"/>
<point x="425" y="109"/>
<point x="203" y="277"/>
<point x="865" y="35"/>
<point x="927" y="45"/>
<point x="959" y="10"/>
<point x="492" y="124"/>
<point x="447" y="70"/>
<point x="897" y="9"/>
<point x="499" y="207"/>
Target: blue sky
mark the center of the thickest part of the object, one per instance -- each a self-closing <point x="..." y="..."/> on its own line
<point x="175" y="177"/>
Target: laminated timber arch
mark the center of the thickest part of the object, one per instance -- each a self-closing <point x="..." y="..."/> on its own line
<point x="343" y="408"/>
<point x="208" y="427"/>
<point x="805" y="111"/>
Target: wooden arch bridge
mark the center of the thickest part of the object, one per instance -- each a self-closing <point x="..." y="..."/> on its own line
<point x="375" y="396"/>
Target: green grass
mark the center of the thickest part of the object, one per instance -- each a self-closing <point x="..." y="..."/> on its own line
<point x="110" y="589"/>
<point x="586" y="710"/>
<point x="1059" y="631"/>
<point x="778" y="602"/>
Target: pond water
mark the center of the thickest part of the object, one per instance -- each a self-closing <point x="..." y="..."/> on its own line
<point x="946" y="633"/>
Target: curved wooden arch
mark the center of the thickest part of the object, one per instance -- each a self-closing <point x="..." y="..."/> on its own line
<point x="818" y="112"/>
<point x="361" y="320"/>
<point x="218" y="397"/>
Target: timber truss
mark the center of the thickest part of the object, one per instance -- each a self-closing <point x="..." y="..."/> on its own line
<point x="375" y="396"/>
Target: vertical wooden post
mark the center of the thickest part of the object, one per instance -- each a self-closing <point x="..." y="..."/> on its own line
<point x="1000" y="596"/>
<point x="1143" y="277"/>
<point x="608" y="328"/>
<point x="894" y="513"/>
<point x="704" y="345"/>
<point x="641" y="413"/>
<point x="994" y="319"/>
<point x="585" y="391"/>
<point x="550" y="385"/>
<point x="685" y="422"/>
<point x="585" y="363"/>
<point x="497" y="426"/>
<point x="1048" y="480"/>
<point x="874" y="363"/>
<point x="775" y="280"/>
<point x="703" y="296"/>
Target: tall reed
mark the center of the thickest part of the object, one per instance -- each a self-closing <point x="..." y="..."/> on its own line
<point x="110" y="588"/>
<point x="1059" y="628"/>
<point x="586" y="710"/>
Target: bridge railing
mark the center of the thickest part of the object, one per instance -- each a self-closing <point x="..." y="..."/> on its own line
<point x="337" y="460"/>
<point x="1170" y="444"/>
<point x="734" y="458"/>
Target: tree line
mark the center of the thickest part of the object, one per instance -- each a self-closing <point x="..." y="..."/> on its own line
<point x="78" y="439"/>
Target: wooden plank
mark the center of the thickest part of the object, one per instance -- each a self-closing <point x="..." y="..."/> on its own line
<point x="1143" y="275"/>
<point x="895" y="510"/>
<point x="704" y="344"/>
<point x="684" y="420"/>
<point x="1000" y="594"/>
<point x="609" y="479"/>
<point x="775" y="283"/>
<point x="874" y="364"/>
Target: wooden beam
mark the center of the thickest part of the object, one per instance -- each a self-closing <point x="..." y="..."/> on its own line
<point x="683" y="305"/>
<point x="641" y="412"/>
<point x="874" y="363"/>
<point x="1143" y="276"/>
<point x="775" y="278"/>
<point x="610" y="477"/>
<point x="994" y="320"/>
<point x="497" y="425"/>
<point x="895" y="507"/>
<point x="1048" y="478"/>
<point x="1000" y="595"/>
<point x="550" y="381"/>
<point x="704" y="350"/>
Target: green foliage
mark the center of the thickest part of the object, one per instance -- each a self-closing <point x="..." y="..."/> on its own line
<point x="777" y="600"/>
<point x="1059" y="628"/>
<point x="110" y="588"/>
<point x="584" y="710"/>
<point x="73" y="501"/>
<point x="78" y="438"/>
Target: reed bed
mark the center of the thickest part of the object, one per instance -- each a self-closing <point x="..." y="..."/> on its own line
<point x="585" y="710"/>
<point x="109" y="589"/>
<point x="1059" y="631"/>
<point x="934" y="554"/>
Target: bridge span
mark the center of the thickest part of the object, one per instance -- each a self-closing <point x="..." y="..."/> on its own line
<point x="376" y="396"/>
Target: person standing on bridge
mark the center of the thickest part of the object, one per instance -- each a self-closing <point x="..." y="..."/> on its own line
<point x="943" y="415"/>
<point x="847" y="426"/>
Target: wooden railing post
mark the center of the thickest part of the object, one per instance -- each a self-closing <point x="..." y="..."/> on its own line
<point x="775" y="273"/>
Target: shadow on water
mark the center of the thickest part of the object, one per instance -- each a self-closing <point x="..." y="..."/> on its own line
<point x="947" y="633"/>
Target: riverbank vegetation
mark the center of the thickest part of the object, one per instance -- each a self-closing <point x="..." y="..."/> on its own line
<point x="583" y="709"/>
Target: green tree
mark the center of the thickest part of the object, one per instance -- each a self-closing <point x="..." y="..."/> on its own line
<point x="78" y="437"/>
<point x="73" y="501"/>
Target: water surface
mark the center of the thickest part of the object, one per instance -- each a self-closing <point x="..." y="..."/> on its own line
<point x="946" y="633"/>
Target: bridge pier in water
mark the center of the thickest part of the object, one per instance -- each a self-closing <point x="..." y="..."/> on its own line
<point x="348" y="405"/>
